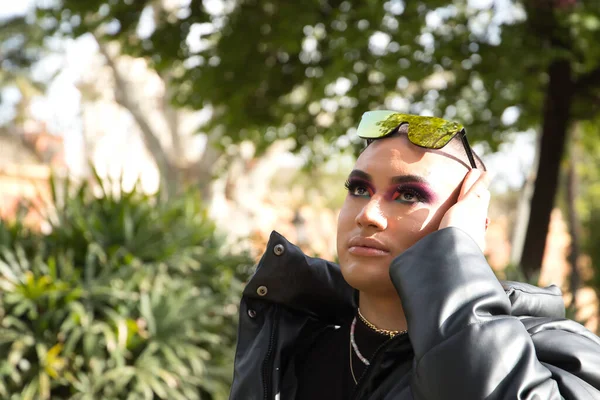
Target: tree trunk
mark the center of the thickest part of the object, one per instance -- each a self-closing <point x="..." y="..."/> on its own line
<point x="556" y="117"/>
<point x="175" y="170"/>
<point x="169" y="174"/>
<point x="524" y="209"/>
<point x="172" y="117"/>
<point x="574" y="228"/>
<point x="204" y="170"/>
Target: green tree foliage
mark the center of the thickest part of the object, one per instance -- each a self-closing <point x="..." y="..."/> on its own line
<point x="21" y="45"/>
<point x="275" y="69"/>
<point x="125" y="298"/>
<point x="269" y="64"/>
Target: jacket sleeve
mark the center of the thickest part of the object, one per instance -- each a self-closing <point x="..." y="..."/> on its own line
<point x="467" y="345"/>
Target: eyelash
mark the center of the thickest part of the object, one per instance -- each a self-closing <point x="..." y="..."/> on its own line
<point x="418" y="196"/>
<point x="351" y="186"/>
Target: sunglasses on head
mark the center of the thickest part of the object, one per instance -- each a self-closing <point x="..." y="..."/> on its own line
<point x="426" y="132"/>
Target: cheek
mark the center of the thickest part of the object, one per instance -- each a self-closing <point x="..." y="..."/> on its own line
<point x="346" y="219"/>
<point x="346" y="225"/>
<point x="432" y="221"/>
<point x="416" y="220"/>
<point x="414" y="225"/>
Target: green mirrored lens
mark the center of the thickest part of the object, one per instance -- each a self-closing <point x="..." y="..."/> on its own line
<point x="429" y="132"/>
<point x="370" y="128"/>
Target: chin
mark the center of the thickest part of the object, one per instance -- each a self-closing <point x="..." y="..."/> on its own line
<point x="367" y="276"/>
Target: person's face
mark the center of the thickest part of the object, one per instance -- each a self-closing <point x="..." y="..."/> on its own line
<point x="397" y="194"/>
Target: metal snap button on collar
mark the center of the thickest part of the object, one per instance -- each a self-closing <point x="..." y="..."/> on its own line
<point x="262" y="290"/>
<point x="252" y="313"/>
<point x="278" y="249"/>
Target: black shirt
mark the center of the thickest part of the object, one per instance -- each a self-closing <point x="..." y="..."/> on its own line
<point x="324" y="371"/>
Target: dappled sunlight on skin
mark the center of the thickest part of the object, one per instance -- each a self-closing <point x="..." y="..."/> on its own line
<point x="421" y="220"/>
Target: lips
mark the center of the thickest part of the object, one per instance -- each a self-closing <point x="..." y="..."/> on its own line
<point x="370" y="247"/>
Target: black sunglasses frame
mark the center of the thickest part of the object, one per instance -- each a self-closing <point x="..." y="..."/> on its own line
<point x="468" y="150"/>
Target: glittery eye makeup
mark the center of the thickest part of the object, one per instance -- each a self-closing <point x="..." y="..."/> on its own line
<point x="414" y="192"/>
<point x="405" y="189"/>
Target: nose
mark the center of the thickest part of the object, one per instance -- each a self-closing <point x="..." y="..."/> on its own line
<point x="371" y="215"/>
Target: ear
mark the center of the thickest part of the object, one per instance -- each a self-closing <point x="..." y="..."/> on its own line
<point x="487" y="223"/>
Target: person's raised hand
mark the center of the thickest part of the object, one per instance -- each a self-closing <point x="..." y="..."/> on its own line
<point x="470" y="211"/>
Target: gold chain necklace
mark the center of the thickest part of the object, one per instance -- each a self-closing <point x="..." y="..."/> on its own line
<point x="379" y="330"/>
<point x="389" y="333"/>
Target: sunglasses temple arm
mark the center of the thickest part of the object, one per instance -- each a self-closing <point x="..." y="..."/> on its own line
<point x="468" y="150"/>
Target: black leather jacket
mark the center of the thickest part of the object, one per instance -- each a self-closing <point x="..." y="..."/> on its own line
<point x="471" y="337"/>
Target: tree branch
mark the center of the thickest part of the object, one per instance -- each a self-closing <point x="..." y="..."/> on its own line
<point x="172" y="118"/>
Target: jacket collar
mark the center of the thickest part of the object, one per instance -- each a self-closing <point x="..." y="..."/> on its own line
<point x="286" y="276"/>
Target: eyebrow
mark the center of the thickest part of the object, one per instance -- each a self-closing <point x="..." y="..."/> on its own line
<point x="357" y="173"/>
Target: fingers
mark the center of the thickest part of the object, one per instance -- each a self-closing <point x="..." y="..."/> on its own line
<point x="468" y="182"/>
<point x="475" y="186"/>
<point x="470" y="211"/>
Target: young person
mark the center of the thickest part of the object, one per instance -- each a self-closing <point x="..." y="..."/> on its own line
<point x="413" y="311"/>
